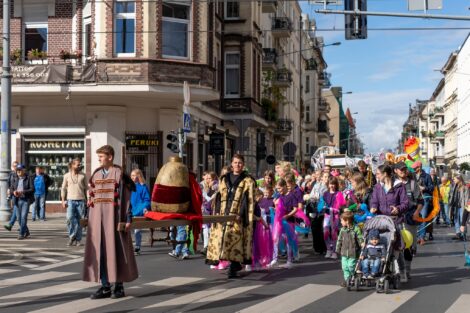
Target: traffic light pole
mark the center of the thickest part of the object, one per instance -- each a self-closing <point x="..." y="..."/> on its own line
<point x="181" y="141"/>
<point x="5" y="116"/>
<point x="410" y="15"/>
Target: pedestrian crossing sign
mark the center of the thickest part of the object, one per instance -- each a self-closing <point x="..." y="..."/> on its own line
<point x="186" y="122"/>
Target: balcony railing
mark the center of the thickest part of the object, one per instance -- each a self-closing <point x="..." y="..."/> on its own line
<point x="242" y="105"/>
<point x="311" y="65"/>
<point x="283" y="78"/>
<point x="281" y="26"/>
<point x="284" y="127"/>
<point x="269" y="58"/>
<point x="324" y="78"/>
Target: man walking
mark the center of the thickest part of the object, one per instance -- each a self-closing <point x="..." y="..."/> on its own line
<point x="109" y="255"/>
<point x="73" y="194"/>
<point x="426" y="186"/>
<point x="42" y="182"/>
<point x="23" y="195"/>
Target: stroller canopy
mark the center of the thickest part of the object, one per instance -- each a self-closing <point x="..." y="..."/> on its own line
<point x="382" y="223"/>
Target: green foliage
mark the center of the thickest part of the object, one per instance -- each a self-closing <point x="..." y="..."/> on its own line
<point x="465" y="166"/>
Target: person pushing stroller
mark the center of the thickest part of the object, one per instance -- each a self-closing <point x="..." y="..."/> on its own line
<point x="373" y="255"/>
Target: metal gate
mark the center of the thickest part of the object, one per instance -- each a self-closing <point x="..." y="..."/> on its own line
<point x="144" y="152"/>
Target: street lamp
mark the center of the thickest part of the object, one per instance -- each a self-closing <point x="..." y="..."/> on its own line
<point x="338" y="43"/>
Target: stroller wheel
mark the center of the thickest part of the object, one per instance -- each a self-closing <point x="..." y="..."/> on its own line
<point x="386" y="286"/>
<point x="357" y="283"/>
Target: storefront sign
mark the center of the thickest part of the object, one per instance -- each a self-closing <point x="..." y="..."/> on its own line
<point x="142" y="141"/>
<point x="217" y="144"/>
<point x="54" y="145"/>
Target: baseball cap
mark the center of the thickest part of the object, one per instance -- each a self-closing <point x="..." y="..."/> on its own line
<point x="400" y="165"/>
<point x="417" y="164"/>
<point x="20" y="167"/>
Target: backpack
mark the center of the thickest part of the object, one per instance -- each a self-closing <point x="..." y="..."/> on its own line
<point x="411" y="210"/>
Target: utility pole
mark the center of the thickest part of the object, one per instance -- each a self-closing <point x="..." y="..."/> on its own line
<point x="5" y="116"/>
<point x="300" y="92"/>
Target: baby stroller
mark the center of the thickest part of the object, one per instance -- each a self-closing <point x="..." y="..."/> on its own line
<point x="388" y="275"/>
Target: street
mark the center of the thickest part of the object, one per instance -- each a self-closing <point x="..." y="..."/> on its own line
<point x="41" y="274"/>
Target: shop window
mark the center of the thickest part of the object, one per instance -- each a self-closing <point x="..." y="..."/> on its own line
<point x="124" y="28"/>
<point x="176" y="29"/>
<point x="54" y="154"/>
<point x="232" y="74"/>
<point x="232" y="10"/>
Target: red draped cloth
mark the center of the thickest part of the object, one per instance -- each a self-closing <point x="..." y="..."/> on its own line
<point x="194" y="212"/>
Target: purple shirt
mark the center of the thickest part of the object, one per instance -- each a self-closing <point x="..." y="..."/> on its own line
<point x="266" y="203"/>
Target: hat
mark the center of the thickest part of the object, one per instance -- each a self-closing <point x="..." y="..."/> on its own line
<point x="400" y="165"/>
<point x="20" y="167"/>
<point x="417" y="164"/>
<point x="374" y="234"/>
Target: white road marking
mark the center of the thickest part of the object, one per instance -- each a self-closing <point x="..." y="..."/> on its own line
<point x="82" y="305"/>
<point x="293" y="300"/>
<point x="7" y="270"/>
<point x="32" y="278"/>
<point x="59" y="264"/>
<point x="382" y="303"/>
<point x="29" y="239"/>
<point x="462" y="304"/>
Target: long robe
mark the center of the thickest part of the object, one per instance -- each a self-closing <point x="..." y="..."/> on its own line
<point x="232" y="241"/>
<point x="110" y="198"/>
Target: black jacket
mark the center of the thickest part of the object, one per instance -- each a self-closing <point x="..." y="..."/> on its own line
<point x="28" y="186"/>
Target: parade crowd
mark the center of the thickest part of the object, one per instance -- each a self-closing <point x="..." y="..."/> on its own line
<point x="328" y="206"/>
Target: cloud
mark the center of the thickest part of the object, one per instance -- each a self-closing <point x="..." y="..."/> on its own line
<point x="387" y="70"/>
<point x="381" y="115"/>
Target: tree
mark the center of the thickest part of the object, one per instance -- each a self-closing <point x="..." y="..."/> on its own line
<point x="465" y="166"/>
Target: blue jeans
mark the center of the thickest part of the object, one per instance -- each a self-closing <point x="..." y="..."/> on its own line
<point x="13" y="214"/>
<point x="39" y="206"/>
<point x="458" y="220"/>
<point x="181" y="235"/>
<point x="138" y="237"/>
<point x="74" y="214"/>
<point x="22" y="210"/>
<point x="374" y="266"/>
<point x="444" y="213"/>
<point x="424" y="213"/>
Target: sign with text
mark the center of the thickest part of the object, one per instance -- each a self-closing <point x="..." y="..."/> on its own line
<point x="41" y="73"/>
<point x="54" y="145"/>
<point x="142" y="142"/>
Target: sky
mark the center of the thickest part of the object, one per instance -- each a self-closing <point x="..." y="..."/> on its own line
<point x="389" y="69"/>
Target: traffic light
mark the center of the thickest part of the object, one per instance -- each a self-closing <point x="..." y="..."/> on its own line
<point x="173" y="142"/>
<point x="355" y="25"/>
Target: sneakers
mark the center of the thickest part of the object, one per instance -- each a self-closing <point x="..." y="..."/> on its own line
<point x="21" y="237"/>
<point x="403" y="277"/>
<point x="344" y="284"/>
<point x="328" y="254"/>
<point x="70" y="242"/>
<point x="370" y="276"/>
<point x="102" y="293"/>
<point x="78" y="243"/>
<point x="248" y="268"/>
<point x="273" y="263"/>
<point x="137" y="251"/>
<point x="289" y="265"/>
<point x="27" y="235"/>
<point x="8" y="227"/>
<point x="185" y="256"/>
<point x="173" y="254"/>
<point x="118" y="292"/>
<point x="334" y="256"/>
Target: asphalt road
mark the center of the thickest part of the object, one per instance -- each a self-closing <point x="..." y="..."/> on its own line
<point x="41" y="274"/>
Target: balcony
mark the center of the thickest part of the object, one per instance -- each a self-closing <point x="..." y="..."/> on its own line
<point x="241" y="106"/>
<point x="323" y="107"/>
<point x="281" y="27"/>
<point x="322" y="126"/>
<point x="284" y="127"/>
<point x="324" y="79"/>
<point x="311" y="65"/>
<point x="440" y="135"/>
<point x="268" y="6"/>
<point x="269" y="59"/>
<point x="283" y="78"/>
<point x="439" y="111"/>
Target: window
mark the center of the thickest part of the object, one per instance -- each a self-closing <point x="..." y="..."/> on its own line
<point x="124" y="28"/>
<point x="232" y="10"/>
<point x="87" y="35"/>
<point x="307" y="84"/>
<point x="232" y="74"/>
<point x="35" y="27"/>
<point x="176" y="24"/>
<point x="307" y="114"/>
<point x="307" y="145"/>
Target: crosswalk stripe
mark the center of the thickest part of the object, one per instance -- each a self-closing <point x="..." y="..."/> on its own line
<point x="7" y="270"/>
<point x="82" y="305"/>
<point x="214" y="294"/>
<point x="293" y="300"/>
<point x="462" y="304"/>
<point x="27" y="296"/>
<point x="29" y="239"/>
<point x="59" y="264"/>
<point x="382" y="303"/>
<point x="52" y="253"/>
<point x="11" y="245"/>
<point x="32" y="278"/>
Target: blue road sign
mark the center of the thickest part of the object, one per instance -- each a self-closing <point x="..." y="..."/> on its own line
<point x="186" y="122"/>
